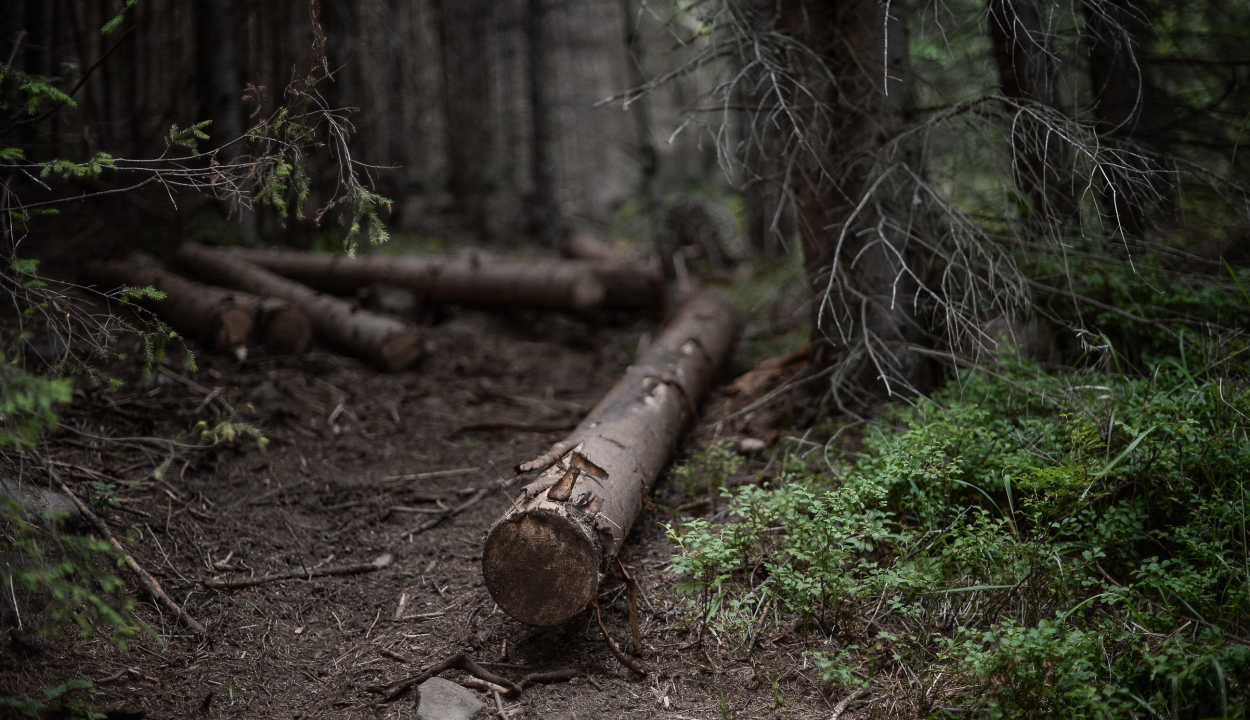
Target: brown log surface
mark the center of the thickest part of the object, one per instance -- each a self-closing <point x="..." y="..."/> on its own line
<point x="217" y="315"/>
<point x="378" y="338"/>
<point x="544" y="559"/>
<point x="578" y="285"/>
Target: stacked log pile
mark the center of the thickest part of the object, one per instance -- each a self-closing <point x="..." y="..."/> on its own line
<point x="228" y="320"/>
<point x="381" y="339"/>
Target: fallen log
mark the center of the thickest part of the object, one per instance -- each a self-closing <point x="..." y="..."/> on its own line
<point x="544" y="559"/>
<point x="374" y="337"/>
<point x="218" y="316"/>
<point x="576" y="285"/>
<point x="229" y="319"/>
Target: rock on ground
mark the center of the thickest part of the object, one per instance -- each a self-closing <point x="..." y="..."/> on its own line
<point x="445" y="700"/>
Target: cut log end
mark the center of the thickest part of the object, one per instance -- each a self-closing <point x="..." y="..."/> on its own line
<point x="401" y="350"/>
<point x="285" y="328"/>
<point x="232" y="328"/>
<point x="540" y="569"/>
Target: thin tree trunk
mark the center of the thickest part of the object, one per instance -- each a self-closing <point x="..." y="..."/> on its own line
<point x="582" y="286"/>
<point x="854" y="193"/>
<point x="1127" y="110"/>
<point x="543" y="560"/>
<point x="466" y="86"/>
<point x="381" y="339"/>
<point x="544" y="210"/>
<point x="224" y="92"/>
<point x="648" y="154"/>
<point x="1026" y="72"/>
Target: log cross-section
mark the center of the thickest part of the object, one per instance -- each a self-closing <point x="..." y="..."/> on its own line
<point x="384" y="340"/>
<point x="544" y="559"/>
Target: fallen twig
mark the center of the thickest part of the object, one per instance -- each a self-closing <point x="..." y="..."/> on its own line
<point x="621" y="657"/>
<point x="846" y="702"/>
<point x="519" y="427"/>
<point x="149" y="583"/>
<point x="459" y="661"/>
<point x="549" y="677"/>
<point x="433" y="474"/>
<point x="353" y="569"/>
<point x="450" y="512"/>
<point x="503" y="715"/>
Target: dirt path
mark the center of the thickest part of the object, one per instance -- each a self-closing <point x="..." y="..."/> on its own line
<point x="325" y="493"/>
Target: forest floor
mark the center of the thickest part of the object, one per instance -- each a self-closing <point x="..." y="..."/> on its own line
<point x="348" y="445"/>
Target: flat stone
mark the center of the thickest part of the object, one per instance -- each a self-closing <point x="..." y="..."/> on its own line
<point x="445" y="700"/>
<point x="37" y="502"/>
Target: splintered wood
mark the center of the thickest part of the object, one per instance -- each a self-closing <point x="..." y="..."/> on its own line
<point x="544" y="559"/>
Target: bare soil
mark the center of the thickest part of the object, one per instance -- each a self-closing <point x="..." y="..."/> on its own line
<point x="325" y="493"/>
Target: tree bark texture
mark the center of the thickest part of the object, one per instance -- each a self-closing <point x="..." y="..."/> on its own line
<point x="544" y="559"/>
<point x="1129" y="111"/>
<point x="226" y="319"/>
<point x="463" y="32"/>
<point x="383" y="340"/>
<point x="544" y="210"/>
<point x="582" y="286"/>
<point x="1027" y="73"/>
<point x="854" y="188"/>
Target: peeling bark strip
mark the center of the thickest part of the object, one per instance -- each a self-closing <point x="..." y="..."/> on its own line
<point x="540" y="284"/>
<point x="381" y="339"/>
<point x="228" y="319"/>
<point x="544" y="558"/>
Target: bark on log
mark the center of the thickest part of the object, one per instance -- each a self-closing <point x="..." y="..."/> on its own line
<point x="381" y="339"/>
<point x="544" y="559"/>
<point x="577" y="285"/>
<point x="227" y="319"/>
<point x="209" y="313"/>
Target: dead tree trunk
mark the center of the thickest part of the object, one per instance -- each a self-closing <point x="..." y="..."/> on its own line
<point x="581" y="286"/>
<point x="227" y="319"/>
<point x="544" y="558"/>
<point x="381" y="339"/>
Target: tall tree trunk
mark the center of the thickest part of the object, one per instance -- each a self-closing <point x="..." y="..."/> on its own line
<point x="1026" y="73"/>
<point x="1127" y="110"/>
<point x="544" y="211"/>
<point x="762" y="160"/>
<point x="463" y="34"/>
<point x="854" y="192"/>
<point x="648" y="155"/>
<point x="221" y="24"/>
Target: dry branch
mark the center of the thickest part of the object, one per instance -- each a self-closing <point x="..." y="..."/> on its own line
<point x="149" y="583"/>
<point x="459" y="661"/>
<point x="544" y="559"/>
<point x="381" y="339"/>
<point x="353" y="569"/>
<point x="578" y="285"/>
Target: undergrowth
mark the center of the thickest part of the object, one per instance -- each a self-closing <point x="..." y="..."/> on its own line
<point x="1019" y="545"/>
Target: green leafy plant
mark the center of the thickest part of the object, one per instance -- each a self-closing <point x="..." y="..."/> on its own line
<point x="1066" y="545"/>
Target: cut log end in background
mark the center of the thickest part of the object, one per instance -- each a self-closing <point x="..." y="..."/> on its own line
<point x="390" y="343"/>
<point x="544" y="559"/>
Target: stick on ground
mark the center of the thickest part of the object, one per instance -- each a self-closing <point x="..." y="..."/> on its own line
<point x="149" y="583"/>
<point x="353" y="569"/>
